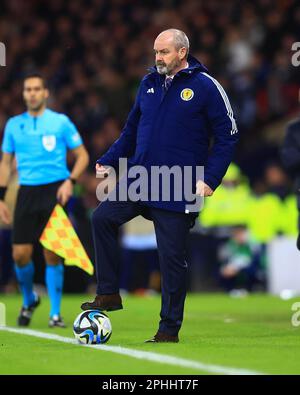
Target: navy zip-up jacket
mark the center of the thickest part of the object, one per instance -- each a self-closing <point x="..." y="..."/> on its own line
<point x="174" y="128"/>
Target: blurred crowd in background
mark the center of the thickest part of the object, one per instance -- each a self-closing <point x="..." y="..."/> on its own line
<point x="93" y="54"/>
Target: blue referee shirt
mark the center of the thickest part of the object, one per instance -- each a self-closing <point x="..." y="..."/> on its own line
<point x="40" y="145"/>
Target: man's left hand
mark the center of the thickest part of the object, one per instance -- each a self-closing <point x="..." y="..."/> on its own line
<point x="203" y="189"/>
<point x="64" y="192"/>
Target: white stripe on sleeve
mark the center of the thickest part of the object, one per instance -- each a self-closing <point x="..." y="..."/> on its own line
<point x="226" y="102"/>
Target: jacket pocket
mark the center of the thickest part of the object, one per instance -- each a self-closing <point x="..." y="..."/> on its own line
<point x="177" y="156"/>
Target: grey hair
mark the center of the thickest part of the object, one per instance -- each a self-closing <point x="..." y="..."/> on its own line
<point x="180" y="39"/>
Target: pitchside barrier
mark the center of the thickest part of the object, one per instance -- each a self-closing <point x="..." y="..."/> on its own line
<point x="2" y="314"/>
<point x="283" y="267"/>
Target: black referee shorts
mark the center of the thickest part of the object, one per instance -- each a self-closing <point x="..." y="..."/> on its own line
<point x="33" y="209"/>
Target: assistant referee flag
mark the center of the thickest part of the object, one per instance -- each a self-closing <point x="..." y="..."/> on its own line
<point x="60" y="237"/>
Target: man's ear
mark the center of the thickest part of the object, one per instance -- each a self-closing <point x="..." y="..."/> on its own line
<point x="182" y="53"/>
<point x="47" y="93"/>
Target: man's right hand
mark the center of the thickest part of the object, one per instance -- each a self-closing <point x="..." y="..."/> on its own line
<point x="101" y="171"/>
<point x="5" y="213"/>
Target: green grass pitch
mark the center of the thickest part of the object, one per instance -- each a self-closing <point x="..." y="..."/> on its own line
<point x="253" y="333"/>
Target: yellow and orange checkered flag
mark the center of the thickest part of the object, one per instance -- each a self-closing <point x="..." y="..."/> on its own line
<point x="60" y="237"/>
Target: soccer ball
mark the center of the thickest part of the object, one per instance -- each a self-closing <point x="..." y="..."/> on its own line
<point x="92" y="327"/>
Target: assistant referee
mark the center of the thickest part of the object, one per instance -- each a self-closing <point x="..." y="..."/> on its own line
<point x="39" y="138"/>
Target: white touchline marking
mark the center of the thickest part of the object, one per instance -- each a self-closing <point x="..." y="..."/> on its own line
<point x="146" y="355"/>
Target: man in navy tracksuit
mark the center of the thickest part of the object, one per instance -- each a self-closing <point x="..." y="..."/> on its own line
<point x="177" y="108"/>
<point x="290" y="156"/>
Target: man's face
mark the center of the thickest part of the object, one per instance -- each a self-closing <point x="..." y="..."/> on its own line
<point x="167" y="58"/>
<point x="34" y="93"/>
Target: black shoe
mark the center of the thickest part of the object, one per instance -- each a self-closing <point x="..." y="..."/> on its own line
<point x="162" y="337"/>
<point x="57" y="322"/>
<point x="104" y="303"/>
<point x="298" y="242"/>
<point x="26" y="312"/>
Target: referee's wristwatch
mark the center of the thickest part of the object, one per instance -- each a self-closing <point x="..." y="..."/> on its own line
<point x="73" y="180"/>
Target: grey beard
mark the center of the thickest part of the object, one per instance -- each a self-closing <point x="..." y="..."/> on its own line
<point x="162" y="69"/>
<point x="168" y="70"/>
